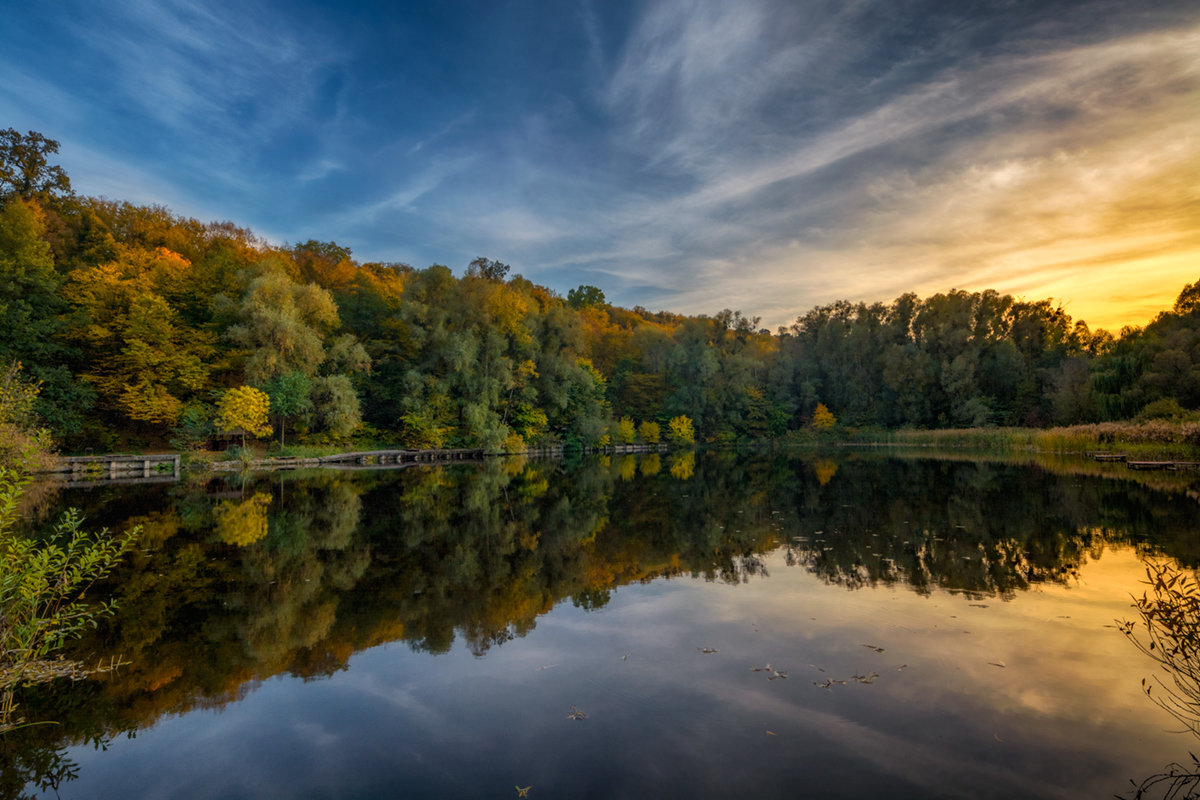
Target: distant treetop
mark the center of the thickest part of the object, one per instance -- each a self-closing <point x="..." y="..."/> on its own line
<point x="24" y="171"/>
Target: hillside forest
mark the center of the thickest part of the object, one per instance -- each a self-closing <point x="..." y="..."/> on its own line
<point x="129" y="326"/>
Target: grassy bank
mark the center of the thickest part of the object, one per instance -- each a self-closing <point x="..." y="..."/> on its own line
<point x="1148" y="440"/>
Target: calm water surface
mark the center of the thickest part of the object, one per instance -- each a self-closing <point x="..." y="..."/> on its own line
<point x="603" y="629"/>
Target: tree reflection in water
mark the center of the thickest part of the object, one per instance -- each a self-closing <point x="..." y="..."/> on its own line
<point x="293" y="573"/>
<point x="1168" y="631"/>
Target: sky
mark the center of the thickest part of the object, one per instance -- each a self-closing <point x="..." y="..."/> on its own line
<point x="690" y="155"/>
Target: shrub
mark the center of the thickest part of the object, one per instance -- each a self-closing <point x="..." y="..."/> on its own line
<point x="41" y="594"/>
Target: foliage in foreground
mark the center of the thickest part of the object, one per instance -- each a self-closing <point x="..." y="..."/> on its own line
<point x="1169" y="633"/>
<point x="42" y="588"/>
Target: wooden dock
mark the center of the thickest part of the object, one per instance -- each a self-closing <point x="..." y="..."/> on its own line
<point x="115" y="466"/>
<point x="1171" y="465"/>
<point x="1143" y="465"/>
<point x="130" y="468"/>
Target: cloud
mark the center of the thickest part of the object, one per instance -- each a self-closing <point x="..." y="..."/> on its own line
<point x="1019" y="172"/>
<point x="684" y="154"/>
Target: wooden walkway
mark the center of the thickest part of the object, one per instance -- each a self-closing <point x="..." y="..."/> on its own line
<point x="116" y="466"/>
<point x="1144" y="465"/>
<point x="126" y="468"/>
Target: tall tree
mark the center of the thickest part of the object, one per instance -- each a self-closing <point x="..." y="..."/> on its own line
<point x="25" y="171"/>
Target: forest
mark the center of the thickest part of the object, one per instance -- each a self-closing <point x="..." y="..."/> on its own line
<point x="126" y="326"/>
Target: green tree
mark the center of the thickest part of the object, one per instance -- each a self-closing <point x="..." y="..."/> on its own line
<point x="290" y="395"/>
<point x="24" y="168"/>
<point x="31" y="316"/>
<point x="282" y="325"/>
<point x="336" y="409"/>
<point x="488" y="269"/>
<point x="585" y="296"/>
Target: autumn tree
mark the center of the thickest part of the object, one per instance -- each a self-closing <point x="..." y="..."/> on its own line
<point x="286" y="329"/>
<point x="24" y="442"/>
<point x="145" y="361"/>
<point x="244" y="410"/>
<point x="822" y="418"/>
<point x="681" y="430"/>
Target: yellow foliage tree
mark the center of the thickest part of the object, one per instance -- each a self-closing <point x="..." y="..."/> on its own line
<point x="649" y="432"/>
<point x="822" y="418"/>
<point x="244" y="410"/>
<point x="682" y="431"/>
<point x="624" y="431"/>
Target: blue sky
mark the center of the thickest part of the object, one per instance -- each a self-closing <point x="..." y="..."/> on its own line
<point x="693" y="155"/>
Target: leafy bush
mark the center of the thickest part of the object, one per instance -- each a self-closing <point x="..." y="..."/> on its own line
<point x="42" y="588"/>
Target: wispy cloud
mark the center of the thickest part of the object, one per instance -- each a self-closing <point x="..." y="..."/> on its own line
<point x="1019" y="172"/>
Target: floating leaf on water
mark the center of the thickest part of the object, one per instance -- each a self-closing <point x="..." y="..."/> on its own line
<point x="873" y="647"/>
<point x="575" y="713"/>
<point x="772" y="733"/>
<point x="1000" y="664"/>
<point x="708" y="651"/>
<point x="546" y="666"/>
<point x="979" y="605"/>
<point x="902" y="667"/>
<point x="778" y="674"/>
<point x="523" y="792"/>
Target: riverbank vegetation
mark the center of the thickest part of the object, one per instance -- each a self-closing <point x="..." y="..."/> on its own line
<point x="137" y="328"/>
<point x="42" y="588"/>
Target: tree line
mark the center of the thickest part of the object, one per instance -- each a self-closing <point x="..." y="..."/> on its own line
<point x="123" y="324"/>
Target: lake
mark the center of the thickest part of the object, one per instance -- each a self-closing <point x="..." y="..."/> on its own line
<point x="721" y="624"/>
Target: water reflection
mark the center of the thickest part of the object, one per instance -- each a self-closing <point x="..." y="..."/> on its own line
<point x="293" y="574"/>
